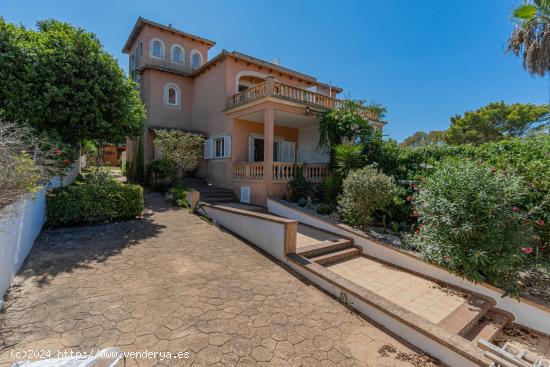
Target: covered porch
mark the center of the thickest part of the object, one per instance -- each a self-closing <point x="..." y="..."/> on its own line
<point x="273" y="141"/>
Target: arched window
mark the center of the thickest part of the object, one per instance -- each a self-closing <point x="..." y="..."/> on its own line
<point x="156" y="48"/>
<point x="196" y="59"/>
<point x="172" y="95"/>
<point x="177" y="54"/>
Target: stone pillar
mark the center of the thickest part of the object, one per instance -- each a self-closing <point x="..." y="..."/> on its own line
<point x="268" y="148"/>
<point x="270" y="80"/>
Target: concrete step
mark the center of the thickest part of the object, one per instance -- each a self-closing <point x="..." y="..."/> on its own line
<point x="219" y="200"/>
<point x="324" y="247"/>
<point x="489" y="325"/>
<point x="466" y="316"/>
<point x="213" y="194"/>
<point x="336" y="256"/>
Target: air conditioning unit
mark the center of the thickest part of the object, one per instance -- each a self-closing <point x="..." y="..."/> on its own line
<point x="245" y="194"/>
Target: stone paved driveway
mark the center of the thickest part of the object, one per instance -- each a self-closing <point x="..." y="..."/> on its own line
<point x="173" y="282"/>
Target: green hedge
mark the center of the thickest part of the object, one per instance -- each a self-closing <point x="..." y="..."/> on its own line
<point x="94" y="200"/>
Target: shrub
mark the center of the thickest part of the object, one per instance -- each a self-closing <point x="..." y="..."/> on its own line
<point x="28" y="159"/>
<point x="99" y="198"/>
<point x="347" y="157"/>
<point x="161" y="173"/>
<point x="300" y="187"/>
<point x="178" y="196"/>
<point x="365" y="191"/>
<point x="332" y="185"/>
<point x="183" y="149"/>
<point x="471" y="221"/>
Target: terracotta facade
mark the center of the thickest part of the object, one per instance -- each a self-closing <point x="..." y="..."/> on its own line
<point x="239" y="103"/>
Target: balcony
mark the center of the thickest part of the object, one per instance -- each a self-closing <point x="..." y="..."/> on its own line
<point x="272" y="88"/>
<point x="282" y="171"/>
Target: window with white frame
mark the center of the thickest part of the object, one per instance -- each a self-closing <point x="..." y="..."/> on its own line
<point x="172" y="95"/>
<point x="217" y="147"/>
<point x="156" y="48"/>
<point x="196" y="59"/>
<point x="177" y="54"/>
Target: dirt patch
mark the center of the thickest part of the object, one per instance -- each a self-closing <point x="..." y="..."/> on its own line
<point x="415" y="359"/>
<point x="523" y="339"/>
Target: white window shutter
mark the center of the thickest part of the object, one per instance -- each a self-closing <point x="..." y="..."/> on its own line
<point x="227" y="146"/>
<point x="292" y="151"/>
<point x="208" y="149"/>
<point x="284" y="151"/>
<point x="251" y="148"/>
<point x="288" y="151"/>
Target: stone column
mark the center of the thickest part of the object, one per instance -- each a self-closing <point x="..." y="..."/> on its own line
<point x="268" y="148"/>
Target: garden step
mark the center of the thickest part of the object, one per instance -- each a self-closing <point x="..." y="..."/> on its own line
<point x="324" y="247"/>
<point x="217" y="194"/>
<point x="466" y="316"/>
<point x="489" y="325"/>
<point x="219" y="200"/>
<point x="336" y="256"/>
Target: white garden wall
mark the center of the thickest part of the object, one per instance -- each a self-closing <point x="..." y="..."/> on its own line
<point x="20" y="224"/>
<point x="269" y="235"/>
<point x="526" y="312"/>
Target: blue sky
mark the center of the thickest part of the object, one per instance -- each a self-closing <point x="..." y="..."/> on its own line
<point x="424" y="60"/>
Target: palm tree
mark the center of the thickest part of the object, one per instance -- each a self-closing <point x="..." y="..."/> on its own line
<point x="531" y="36"/>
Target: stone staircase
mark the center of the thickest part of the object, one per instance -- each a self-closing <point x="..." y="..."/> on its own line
<point x="330" y="252"/>
<point x="209" y="193"/>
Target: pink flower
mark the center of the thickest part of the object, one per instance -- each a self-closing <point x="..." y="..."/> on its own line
<point x="493" y="170"/>
<point x="515" y="209"/>
<point x="66" y="162"/>
<point x="540" y="222"/>
<point x="526" y="250"/>
<point x="57" y="151"/>
<point x="416" y="214"/>
<point x="417" y="232"/>
<point x="409" y="198"/>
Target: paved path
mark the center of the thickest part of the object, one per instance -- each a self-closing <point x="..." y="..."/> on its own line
<point x="173" y="282"/>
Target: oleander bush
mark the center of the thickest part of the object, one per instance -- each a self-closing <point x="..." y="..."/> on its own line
<point x="365" y="191"/>
<point x="97" y="198"/>
<point x="472" y="221"/>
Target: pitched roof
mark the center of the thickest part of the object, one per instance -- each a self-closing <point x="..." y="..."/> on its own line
<point x="141" y="22"/>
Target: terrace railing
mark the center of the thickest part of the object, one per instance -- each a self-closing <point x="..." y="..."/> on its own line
<point x="272" y="88"/>
<point x="283" y="172"/>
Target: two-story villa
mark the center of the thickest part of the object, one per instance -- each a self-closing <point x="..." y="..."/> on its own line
<point x="259" y="118"/>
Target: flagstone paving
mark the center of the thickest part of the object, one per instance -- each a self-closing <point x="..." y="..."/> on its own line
<point x="173" y="282"/>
